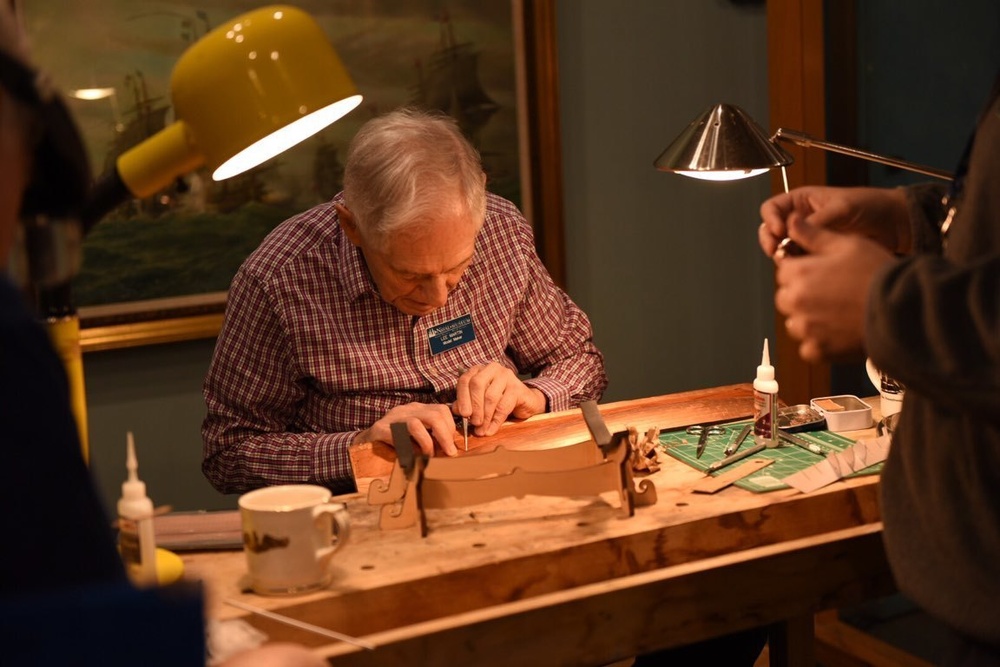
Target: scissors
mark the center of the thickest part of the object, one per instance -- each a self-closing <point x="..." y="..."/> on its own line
<point x="703" y="432"/>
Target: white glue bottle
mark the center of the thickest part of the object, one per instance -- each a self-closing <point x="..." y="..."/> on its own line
<point x="136" y="536"/>
<point x="765" y="402"/>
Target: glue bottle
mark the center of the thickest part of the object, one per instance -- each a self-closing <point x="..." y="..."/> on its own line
<point x="765" y="402"/>
<point x="136" y="537"/>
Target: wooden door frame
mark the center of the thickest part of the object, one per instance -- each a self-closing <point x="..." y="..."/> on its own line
<point x="797" y="100"/>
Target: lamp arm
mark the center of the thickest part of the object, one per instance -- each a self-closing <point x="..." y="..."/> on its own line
<point x="108" y="192"/>
<point x="807" y="141"/>
<point x="143" y="170"/>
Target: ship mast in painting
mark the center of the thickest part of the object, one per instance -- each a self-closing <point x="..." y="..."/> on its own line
<point x="450" y="83"/>
<point x="146" y="117"/>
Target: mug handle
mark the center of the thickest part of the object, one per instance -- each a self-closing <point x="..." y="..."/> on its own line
<point x="337" y="512"/>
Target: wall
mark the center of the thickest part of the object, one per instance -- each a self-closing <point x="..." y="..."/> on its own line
<point x="667" y="267"/>
<point x="155" y="392"/>
<point x="925" y="69"/>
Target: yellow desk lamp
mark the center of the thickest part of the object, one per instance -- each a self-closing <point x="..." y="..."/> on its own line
<point x="245" y="92"/>
<point x="248" y="90"/>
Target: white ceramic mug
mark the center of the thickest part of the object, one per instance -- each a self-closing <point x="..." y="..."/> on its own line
<point x="290" y="533"/>
<point x="890" y="390"/>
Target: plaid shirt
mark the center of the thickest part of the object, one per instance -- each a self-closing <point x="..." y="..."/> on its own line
<point x="309" y="354"/>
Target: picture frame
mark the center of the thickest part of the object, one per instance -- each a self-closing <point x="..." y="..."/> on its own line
<point x="144" y="321"/>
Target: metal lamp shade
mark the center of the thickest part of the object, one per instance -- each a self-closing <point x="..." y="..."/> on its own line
<point x="723" y="143"/>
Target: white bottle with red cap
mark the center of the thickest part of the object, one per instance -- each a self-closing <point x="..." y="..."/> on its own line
<point x="765" y="402"/>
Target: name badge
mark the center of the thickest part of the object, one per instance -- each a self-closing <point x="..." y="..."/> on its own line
<point x="452" y="334"/>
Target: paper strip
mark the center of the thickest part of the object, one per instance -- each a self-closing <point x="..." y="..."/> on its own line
<point x="857" y="457"/>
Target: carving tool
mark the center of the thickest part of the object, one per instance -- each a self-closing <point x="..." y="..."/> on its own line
<point x="799" y="442"/>
<point x="713" y="484"/>
<point x="739" y="456"/>
<point x="735" y="444"/>
<point x="465" y="431"/>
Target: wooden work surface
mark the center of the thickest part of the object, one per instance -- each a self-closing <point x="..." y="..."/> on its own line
<point x="570" y="581"/>
<point x="375" y="459"/>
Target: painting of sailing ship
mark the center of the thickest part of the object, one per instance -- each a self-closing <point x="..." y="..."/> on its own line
<point x="455" y="56"/>
<point x="450" y="83"/>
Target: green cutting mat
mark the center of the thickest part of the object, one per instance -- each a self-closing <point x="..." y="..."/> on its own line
<point x="788" y="458"/>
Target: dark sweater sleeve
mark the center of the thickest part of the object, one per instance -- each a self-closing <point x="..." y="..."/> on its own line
<point x="926" y="211"/>
<point x="57" y="532"/>
<point x="935" y="326"/>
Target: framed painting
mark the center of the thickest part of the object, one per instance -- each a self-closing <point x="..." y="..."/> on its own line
<point x="157" y="270"/>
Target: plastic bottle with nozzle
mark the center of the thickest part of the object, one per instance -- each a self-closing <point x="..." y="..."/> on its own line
<point x="765" y="402"/>
<point x="136" y="534"/>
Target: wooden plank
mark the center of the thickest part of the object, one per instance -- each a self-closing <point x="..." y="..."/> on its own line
<point x="791" y="642"/>
<point x="656" y="610"/>
<point x="375" y="459"/>
<point x="839" y="644"/>
<point x="513" y="549"/>
<point x="484" y="581"/>
<point x="164" y="330"/>
<point x="719" y="482"/>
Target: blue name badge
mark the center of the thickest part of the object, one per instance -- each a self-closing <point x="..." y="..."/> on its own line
<point x="454" y="333"/>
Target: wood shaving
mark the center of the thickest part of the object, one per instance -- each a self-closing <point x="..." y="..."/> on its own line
<point x="644" y="452"/>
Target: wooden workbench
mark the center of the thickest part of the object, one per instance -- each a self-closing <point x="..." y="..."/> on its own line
<point x="567" y="581"/>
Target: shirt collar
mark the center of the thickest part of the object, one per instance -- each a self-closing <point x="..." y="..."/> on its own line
<point x="354" y="274"/>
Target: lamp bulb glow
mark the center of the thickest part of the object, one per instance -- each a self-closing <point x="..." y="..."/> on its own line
<point x="284" y="138"/>
<point x="92" y="93"/>
<point x="729" y="175"/>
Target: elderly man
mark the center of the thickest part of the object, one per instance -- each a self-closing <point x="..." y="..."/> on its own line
<point x="413" y="296"/>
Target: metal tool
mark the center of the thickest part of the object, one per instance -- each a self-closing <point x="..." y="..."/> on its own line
<point x="799" y="442"/>
<point x="464" y="421"/>
<point x="739" y="456"/>
<point x="735" y="444"/>
<point x="703" y="432"/>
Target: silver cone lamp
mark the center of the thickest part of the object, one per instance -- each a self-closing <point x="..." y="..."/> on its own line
<point x="722" y="144"/>
<point x="725" y="144"/>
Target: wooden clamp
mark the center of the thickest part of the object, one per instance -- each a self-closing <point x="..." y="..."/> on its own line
<point x="418" y="483"/>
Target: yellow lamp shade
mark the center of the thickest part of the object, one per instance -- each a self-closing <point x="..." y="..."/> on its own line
<point x="248" y="90"/>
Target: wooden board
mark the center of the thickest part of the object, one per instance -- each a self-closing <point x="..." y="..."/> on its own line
<point x="716" y="484"/>
<point x="477" y="589"/>
<point x="375" y="459"/>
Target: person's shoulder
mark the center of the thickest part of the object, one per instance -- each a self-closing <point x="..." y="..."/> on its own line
<point x="294" y="238"/>
<point x="497" y="206"/>
<point x="504" y="218"/>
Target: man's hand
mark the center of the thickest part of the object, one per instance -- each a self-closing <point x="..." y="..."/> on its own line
<point x="879" y="214"/>
<point x="490" y="393"/>
<point x="824" y="294"/>
<point x="427" y="423"/>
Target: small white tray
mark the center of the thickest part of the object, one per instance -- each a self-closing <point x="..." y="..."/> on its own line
<point x="853" y="413"/>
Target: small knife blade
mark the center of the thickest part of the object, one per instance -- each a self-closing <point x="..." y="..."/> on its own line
<point x="735" y="444"/>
